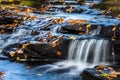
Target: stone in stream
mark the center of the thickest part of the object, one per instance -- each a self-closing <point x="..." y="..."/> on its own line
<point x="95" y="29"/>
<point x="110" y="72"/>
<point x="44" y="48"/>
<point x="52" y="51"/>
<point x="71" y="9"/>
<point x="73" y="27"/>
<point x="8" y="21"/>
<point x="116" y="51"/>
<point x="117" y="32"/>
<point x="11" y="48"/>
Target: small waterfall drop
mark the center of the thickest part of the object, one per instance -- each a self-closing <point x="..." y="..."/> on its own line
<point x="20" y="32"/>
<point x="89" y="51"/>
<point x="56" y="29"/>
<point x="96" y="31"/>
<point x="18" y="35"/>
<point x="82" y="54"/>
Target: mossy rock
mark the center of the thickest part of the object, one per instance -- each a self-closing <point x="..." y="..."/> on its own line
<point x="107" y="4"/>
<point x="32" y="3"/>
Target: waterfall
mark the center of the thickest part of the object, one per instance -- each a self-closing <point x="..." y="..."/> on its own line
<point x="82" y="54"/>
<point x="21" y="32"/>
<point x="89" y="51"/>
<point x="56" y="29"/>
<point x="96" y="31"/>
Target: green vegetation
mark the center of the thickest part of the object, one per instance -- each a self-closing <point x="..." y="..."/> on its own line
<point x="32" y="3"/>
<point x="106" y="4"/>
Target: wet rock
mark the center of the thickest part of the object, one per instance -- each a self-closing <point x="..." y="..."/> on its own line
<point x="43" y="50"/>
<point x="106" y="5"/>
<point x="71" y="9"/>
<point x="116" y="50"/>
<point x="8" y="21"/>
<point x="94" y="29"/>
<point x="106" y="31"/>
<point x="118" y="32"/>
<point x="2" y="57"/>
<point x="101" y="73"/>
<point x="11" y="47"/>
<point x="73" y="27"/>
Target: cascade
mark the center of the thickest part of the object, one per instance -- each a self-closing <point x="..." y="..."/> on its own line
<point x="92" y="51"/>
<point x="96" y="31"/>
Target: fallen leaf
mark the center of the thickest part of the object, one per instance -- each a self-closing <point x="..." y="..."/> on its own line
<point x="72" y="37"/>
<point x="18" y="58"/>
<point x="88" y="26"/>
<point x="1" y="73"/>
<point x="53" y="45"/>
<point x="113" y="29"/>
<point x="25" y="56"/>
<point x="59" y="53"/>
<point x="12" y="53"/>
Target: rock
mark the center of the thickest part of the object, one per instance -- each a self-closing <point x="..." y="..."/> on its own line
<point x="118" y="32"/>
<point x="89" y="74"/>
<point x="73" y="27"/>
<point x="102" y="73"/>
<point x="116" y="50"/>
<point x="11" y="47"/>
<point x="71" y="9"/>
<point x="106" y="5"/>
<point x="95" y="29"/>
<point x="43" y="50"/>
<point x="106" y="31"/>
<point x="8" y="21"/>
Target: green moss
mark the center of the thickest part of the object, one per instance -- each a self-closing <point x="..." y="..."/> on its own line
<point x="32" y="3"/>
<point x="27" y="3"/>
<point x="115" y="12"/>
<point x="106" y="4"/>
<point x="14" y="2"/>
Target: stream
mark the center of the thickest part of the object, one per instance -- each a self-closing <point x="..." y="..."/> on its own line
<point x="79" y="49"/>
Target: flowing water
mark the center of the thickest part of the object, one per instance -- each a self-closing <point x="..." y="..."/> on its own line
<point x="83" y="53"/>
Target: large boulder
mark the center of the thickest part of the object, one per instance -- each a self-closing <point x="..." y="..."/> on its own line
<point x="92" y="29"/>
<point x="43" y="50"/>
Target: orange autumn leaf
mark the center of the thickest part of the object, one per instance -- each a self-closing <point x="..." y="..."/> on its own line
<point x="80" y="28"/>
<point x="58" y="20"/>
<point x="80" y="33"/>
<point x="16" y="21"/>
<point x="88" y="26"/>
<point x="59" y="53"/>
<point x="53" y="45"/>
<point x="20" y="51"/>
<point x="25" y="56"/>
<point x="73" y="22"/>
<point x="28" y="10"/>
<point x="12" y="53"/>
<point x="18" y="58"/>
<point x="113" y="29"/>
<point x="25" y="45"/>
<point x="60" y="37"/>
<point x="1" y="73"/>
